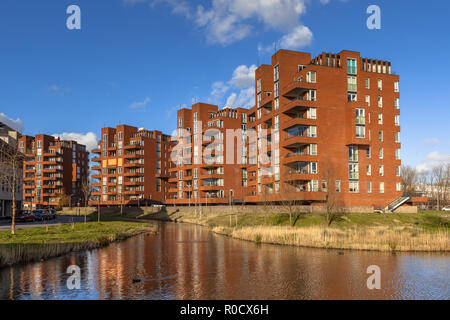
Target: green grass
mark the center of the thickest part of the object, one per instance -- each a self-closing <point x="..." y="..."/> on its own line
<point x="89" y="232"/>
<point x="35" y="244"/>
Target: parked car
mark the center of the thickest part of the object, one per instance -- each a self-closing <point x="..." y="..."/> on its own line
<point x="446" y="208"/>
<point x="25" y="216"/>
<point x="52" y="213"/>
<point x="39" y="214"/>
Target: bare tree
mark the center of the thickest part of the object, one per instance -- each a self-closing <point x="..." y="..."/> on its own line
<point x="63" y="198"/>
<point x="86" y="189"/>
<point x="11" y="164"/>
<point x="291" y="197"/>
<point x="410" y="178"/>
<point x="439" y="176"/>
<point x="331" y="188"/>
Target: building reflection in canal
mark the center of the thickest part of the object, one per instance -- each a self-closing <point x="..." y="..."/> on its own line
<point x="190" y="262"/>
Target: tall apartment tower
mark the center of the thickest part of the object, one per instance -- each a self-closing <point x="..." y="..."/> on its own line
<point x="8" y="139"/>
<point x="54" y="171"/>
<point x="202" y="173"/>
<point x="132" y="167"/>
<point x="334" y="123"/>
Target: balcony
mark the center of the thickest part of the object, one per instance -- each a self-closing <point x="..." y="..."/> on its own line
<point x="133" y="155"/>
<point x="298" y="103"/>
<point x="132" y="146"/>
<point x="210" y="186"/>
<point x="298" y="136"/>
<point x="298" y="121"/>
<point x="297" y="88"/>
<point x="133" y="164"/>
<point x="299" y="156"/>
<point x="133" y="183"/>
<point x="133" y="174"/>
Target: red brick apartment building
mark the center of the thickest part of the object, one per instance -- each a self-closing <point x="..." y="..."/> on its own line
<point x="333" y="122"/>
<point x="53" y="171"/>
<point x="201" y="172"/>
<point x="133" y="167"/>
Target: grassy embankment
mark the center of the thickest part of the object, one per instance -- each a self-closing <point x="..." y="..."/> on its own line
<point x="425" y="231"/>
<point x="37" y="243"/>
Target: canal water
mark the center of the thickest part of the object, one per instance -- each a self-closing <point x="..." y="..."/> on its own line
<point x="189" y="262"/>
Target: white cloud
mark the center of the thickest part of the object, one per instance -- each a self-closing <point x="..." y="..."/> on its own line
<point x="430" y="142"/>
<point x="58" y="89"/>
<point x="14" y="124"/>
<point x="140" y="105"/>
<point x="244" y="76"/>
<point x="297" y="38"/>
<point x="228" y="21"/>
<point x="89" y="139"/>
<point x="239" y="91"/>
<point x="433" y="159"/>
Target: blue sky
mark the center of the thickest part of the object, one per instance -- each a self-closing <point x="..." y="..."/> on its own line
<point x="137" y="61"/>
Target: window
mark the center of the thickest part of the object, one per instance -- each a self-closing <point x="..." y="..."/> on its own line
<point x="311" y="113"/>
<point x="311" y="77"/>
<point x="354" y="186"/>
<point x="258" y="86"/>
<point x="397" y="154"/>
<point x="381" y="153"/>
<point x="338" y="186"/>
<point x="380" y="135"/>
<point x="367" y="82"/>
<point x="396" y="86"/>
<point x="360" y="131"/>
<point x="360" y="116"/>
<point x="398" y="186"/>
<point x="368" y="152"/>
<point x="312" y="131"/>
<point x="381" y="187"/>
<point x="398" y="171"/>
<point x="275" y="73"/>
<point x="351" y="84"/>
<point x="352" y="97"/>
<point x="313" y="149"/>
<point x="300" y="67"/>
<point x="380" y="102"/>
<point x="313" y="167"/>
<point x="360" y="123"/>
<point x="380" y="118"/>
<point x="397" y="137"/>
<point x="324" y="185"/>
<point x="351" y="66"/>
<point x="311" y="95"/>
<point x="397" y="103"/>
<point x="369" y="187"/>
<point x="368" y="100"/>
<point x="353" y="171"/>
<point x="381" y="170"/>
<point x="380" y="84"/>
<point x="353" y="154"/>
<point x="397" y="120"/>
<point x="369" y="170"/>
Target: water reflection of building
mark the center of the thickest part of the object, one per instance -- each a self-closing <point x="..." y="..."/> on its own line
<point x="190" y="262"/>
